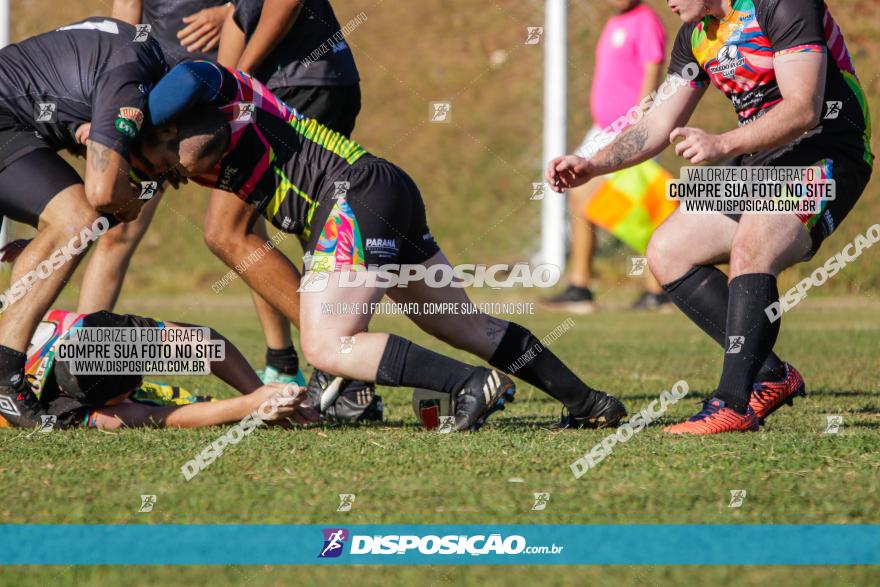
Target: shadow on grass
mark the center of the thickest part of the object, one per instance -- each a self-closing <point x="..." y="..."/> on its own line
<point x="825" y="392"/>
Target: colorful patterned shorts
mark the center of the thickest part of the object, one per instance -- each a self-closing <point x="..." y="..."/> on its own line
<point x="374" y="217"/>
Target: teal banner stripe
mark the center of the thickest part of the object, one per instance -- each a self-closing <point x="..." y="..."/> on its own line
<point x="623" y="544"/>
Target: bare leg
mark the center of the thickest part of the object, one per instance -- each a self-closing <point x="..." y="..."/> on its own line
<point x="106" y="269"/>
<point x="477" y="333"/>
<point x="686" y="240"/>
<point x="338" y="342"/>
<point x="767" y="244"/>
<point x="64" y="217"/>
<point x="276" y="326"/>
<point x="505" y="345"/>
<point x="273" y="277"/>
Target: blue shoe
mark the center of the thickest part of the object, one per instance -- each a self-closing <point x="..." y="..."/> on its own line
<point x="272" y="375"/>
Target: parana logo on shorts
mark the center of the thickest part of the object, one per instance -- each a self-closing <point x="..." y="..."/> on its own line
<point x="729" y="59"/>
<point x="383" y="247"/>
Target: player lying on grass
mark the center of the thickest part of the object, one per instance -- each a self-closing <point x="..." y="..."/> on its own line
<point x="786" y="68"/>
<point x="226" y="130"/>
<point x="114" y="401"/>
<point x="97" y="71"/>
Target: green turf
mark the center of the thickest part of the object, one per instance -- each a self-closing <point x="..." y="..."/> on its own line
<point x="439" y="576"/>
<point x="791" y="471"/>
<point x="476" y="173"/>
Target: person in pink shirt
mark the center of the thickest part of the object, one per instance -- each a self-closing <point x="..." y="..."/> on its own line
<point x="629" y="66"/>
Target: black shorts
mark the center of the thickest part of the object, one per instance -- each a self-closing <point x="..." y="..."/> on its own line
<point x="31" y="172"/>
<point x="850" y="176"/>
<point x="336" y="107"/>
<point x="372" y="215"/>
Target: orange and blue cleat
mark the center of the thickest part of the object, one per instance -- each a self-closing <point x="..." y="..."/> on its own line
<point x="769" y="396"/>
<point x="714" y="418"/>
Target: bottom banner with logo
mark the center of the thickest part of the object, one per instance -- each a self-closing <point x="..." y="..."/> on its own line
<point x="622" y="544"/>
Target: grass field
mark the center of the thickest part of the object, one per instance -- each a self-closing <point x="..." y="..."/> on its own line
<point x="476" y="176"/>
<point x="401" y="474"/>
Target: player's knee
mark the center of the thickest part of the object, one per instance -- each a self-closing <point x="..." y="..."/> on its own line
<point x="661" y="253"/>
<point x="219" y="243"/>
<point x="212" y="238"/>
<point x="78" y="220"/>
<point x="68" y="209"/>
<point x="320" y="351"/>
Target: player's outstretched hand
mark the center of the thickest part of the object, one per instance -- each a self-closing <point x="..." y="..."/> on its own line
<point x="202" y="30"/>
<point x="281" y="404"/>
<point x="566" y="172"/>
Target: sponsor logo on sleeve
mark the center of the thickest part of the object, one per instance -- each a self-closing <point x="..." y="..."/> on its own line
<point x="129" y="121"/>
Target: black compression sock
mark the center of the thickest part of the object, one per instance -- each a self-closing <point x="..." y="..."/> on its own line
<point x="521" y="354"/>
<point x="407" y="364"/>
<point x="702" y="295"/>
<point x="283" y="360"/>
<point x="751" y="335"/>
<point x="11" y="366"/>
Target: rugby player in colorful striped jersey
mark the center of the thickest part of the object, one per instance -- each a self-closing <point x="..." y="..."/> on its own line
<point x="786" y="69"/>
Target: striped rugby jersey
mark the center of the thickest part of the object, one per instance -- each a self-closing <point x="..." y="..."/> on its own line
<point x="276" y="153"/>
<point x="736" y="54"/>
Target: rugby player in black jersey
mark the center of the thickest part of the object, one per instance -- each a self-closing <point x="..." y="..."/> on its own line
<point x="100" y="71"/>
<point x="296" y="48"/>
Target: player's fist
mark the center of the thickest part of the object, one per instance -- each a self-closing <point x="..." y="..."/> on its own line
<point x="566" y="172"/>
<point x="82" y="133"/>
<point x="698" y="146"/>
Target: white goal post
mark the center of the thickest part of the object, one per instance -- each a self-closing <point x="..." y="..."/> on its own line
<point x="553" y="206"/>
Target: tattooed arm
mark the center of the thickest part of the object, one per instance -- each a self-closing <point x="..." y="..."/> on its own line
<point x="107" y="185"/>
<point x="638" y="143"/>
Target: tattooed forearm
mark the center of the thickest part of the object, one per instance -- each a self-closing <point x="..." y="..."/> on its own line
<point x="98" y="156"/>
<point x="627" y="145"/>
<point x="495" y="328"/>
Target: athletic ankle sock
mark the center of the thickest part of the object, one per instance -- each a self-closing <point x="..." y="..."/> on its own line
<point x="750" y="294"/>
<point x="407" y="364"/>
<point x="283" y="360"/>
<point x="702" y="294"/>
<point x="11" y="365"/>
<point x="522" y="355"/>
